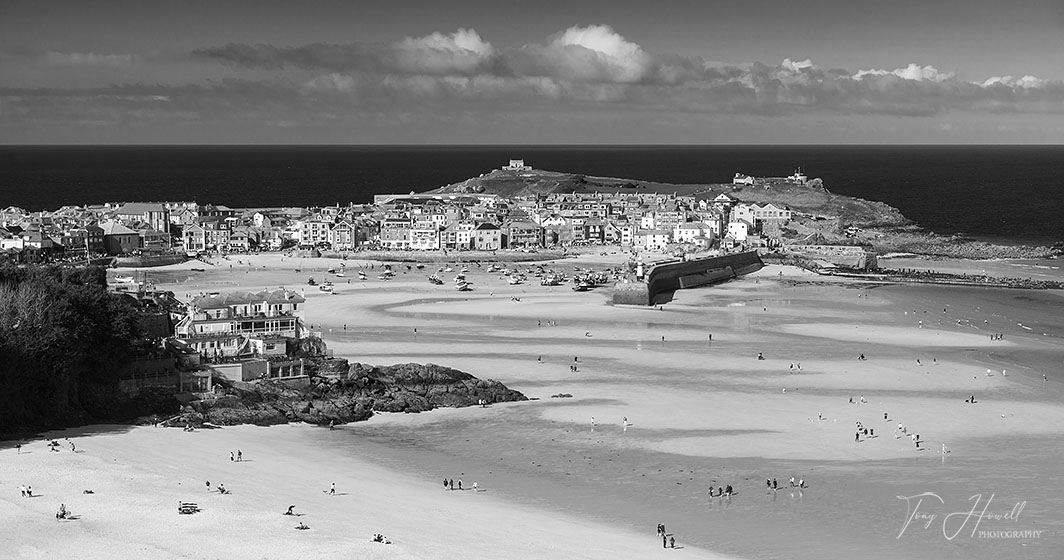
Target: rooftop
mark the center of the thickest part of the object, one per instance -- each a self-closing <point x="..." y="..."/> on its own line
<point x="224" y="301"/>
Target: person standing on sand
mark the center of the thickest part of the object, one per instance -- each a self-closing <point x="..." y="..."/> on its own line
<point x="475" y="486"/>
<point x="208" y="486"/>
<point x="459" y="484"/>
<point x="18" y="449"/>
<point x="239" y="455"/>
<point x="664" y="541"/>
<point x="231" y="456"/>
<point x="672" y="542"/>
<point x="332" y="489"/>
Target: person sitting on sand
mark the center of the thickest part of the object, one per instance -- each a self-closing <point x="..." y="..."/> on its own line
<point x="302" y="526"/>
<point x="63" y="513"/>
<point x="760" y="356"/>
<point x="222" y="490"/>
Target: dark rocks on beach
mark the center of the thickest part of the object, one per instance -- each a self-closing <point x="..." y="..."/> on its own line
<point x="348" y="397"/>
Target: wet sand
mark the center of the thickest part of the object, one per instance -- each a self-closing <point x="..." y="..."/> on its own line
<point x="709" y="413"/>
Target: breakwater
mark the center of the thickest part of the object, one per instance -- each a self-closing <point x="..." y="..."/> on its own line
<point x="672" y="276"/>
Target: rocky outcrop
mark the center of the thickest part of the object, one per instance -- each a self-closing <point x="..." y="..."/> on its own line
<point x="348" y="397"/>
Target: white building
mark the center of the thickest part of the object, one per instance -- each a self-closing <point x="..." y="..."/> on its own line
<point x="517" y="165"/>
<point x="738" y="231"/>
<point x="741" y="179"/>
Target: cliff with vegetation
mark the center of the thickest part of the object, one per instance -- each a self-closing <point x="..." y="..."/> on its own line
<point x="63" y="341"/>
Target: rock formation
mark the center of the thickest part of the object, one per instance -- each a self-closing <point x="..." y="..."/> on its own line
<point x="348" y="397"/>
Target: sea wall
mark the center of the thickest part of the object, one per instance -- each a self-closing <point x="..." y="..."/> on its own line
<point x="841" y="255"/>
<point x="144" y="261"/>
<point x="669" y="277"/>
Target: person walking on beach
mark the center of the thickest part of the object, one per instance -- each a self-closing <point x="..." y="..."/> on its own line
<point x="18" y="449"/>
<point x="332" y="489"/>
<point x="452" y="484"/>
<point x="592" y="423"/>
<point x="231" y="456"/>
<point x="208" y="486"/>
<point x="672" y="542"/>
<point x="664" y="541"/>
<point x="475" y="486"/>
<point x="774" y="485"/>
<point x="239" y="455"/>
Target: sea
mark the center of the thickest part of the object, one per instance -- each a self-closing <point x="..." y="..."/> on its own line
<point x="1006" y="194"/>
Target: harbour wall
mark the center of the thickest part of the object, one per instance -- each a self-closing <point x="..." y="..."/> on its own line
<point x="669" y="277"/>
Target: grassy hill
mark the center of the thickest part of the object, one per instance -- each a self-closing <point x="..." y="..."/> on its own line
<point x="811" y="198"/>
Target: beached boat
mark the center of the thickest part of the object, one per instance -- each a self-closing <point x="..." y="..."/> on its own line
<point x="435" y="279"/>
<point x="124" y="279"/>
<point x="463" y="287"/>
<point x="513" y="280"/>
<point x="326" y="287"/>
<point x="581" y="286"/>
<point x="361" y="275"/>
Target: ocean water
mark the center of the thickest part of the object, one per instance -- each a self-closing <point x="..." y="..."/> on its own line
<point x="1004" y="193"/>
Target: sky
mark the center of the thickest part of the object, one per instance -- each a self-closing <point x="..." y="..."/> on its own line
<point x="531" y="72"/>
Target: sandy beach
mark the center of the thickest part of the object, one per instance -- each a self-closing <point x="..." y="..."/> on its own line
<point x="566" y="477"/>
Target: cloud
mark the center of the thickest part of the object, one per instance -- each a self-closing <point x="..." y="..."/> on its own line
<point x="595" y="65"/>
<point x="90" y="59"/>
<point x="1026" y="82"/>
<point x="587" y="70"/>
<point x="913" y="72"/>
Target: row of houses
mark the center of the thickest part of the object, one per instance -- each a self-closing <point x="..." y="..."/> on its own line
<point x="454" y="221"/>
